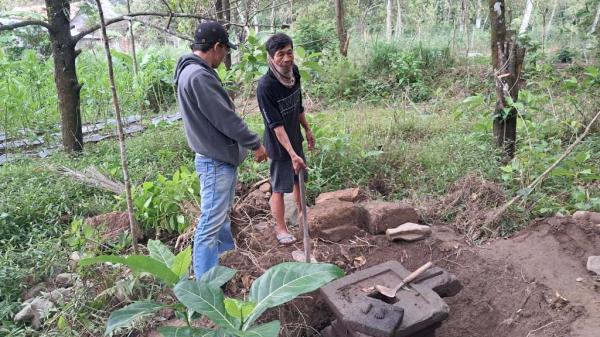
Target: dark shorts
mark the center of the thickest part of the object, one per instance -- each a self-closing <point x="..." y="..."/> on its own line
<point x="283" y="176"/>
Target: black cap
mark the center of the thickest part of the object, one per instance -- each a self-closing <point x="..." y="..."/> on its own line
<point x="211" y="32"/>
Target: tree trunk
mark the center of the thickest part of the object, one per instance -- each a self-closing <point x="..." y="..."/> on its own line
<point x="526" y="17"/>
<point x="341" y="29"/>
<point x="549" y="25"/>
<point x="507" y="60"/>
<point x="65" y="74"/>
<point x="388" y="21"/>
<point x="478" y="19"/>
<point x="398" y="20"/>
<point x="132" y="42"/>
<point x="224" y="15"/>
<point x="595" y="24"/>
<point x="273" y="16"/>
<point x="461" y="25"/>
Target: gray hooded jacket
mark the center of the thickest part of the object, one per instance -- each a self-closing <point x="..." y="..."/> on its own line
<point x="212" y="127"/>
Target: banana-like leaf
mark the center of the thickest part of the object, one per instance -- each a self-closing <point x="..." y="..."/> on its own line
<point x="182" y="262"/>
<point x="218" y="275"/>
<point x="206" y="299"/>
<point x="186" y="332"/>
<point x="160" y="252"/>
<point x="127" y="315"/>
<point x="270" y="329"/>
<point x="286" y="281"/>
<point x="138" y="263"/>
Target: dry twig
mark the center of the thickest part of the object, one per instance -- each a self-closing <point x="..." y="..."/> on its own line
<point x="493" y="216"/>
<point x="92" y="177"/>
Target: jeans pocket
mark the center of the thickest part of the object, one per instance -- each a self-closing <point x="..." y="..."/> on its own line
<point x="203" y="164"/>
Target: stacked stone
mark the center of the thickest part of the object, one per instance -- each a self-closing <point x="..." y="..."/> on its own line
<point x="417" y="310"/>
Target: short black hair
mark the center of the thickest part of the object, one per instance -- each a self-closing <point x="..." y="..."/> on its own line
<point x="278" y="41"/>
<point x="203" y="47"/>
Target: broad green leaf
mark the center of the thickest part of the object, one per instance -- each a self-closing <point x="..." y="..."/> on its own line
<point x="206" y="299"/>
<point x="561" y="172"/>
<point x="218" y="276"/>
<point x="160" y="252"/>
<point x="138" y="263"/>
<point x="286" y="281"/>
<point x="570" y="83"/>
<point x="125" y="316"/>
<point x="583" y="156"/>
<point x="237" y="308"/>
<point x="172" y="331"/>
<point x="182" y="261"/>
<point x="270" y="329"/>
<point x="473" y="101"/>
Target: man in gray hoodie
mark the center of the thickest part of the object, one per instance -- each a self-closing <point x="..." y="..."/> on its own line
<point x="217" y="135"/>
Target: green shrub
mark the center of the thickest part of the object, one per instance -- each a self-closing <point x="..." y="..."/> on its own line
<point x="312" y="33"/>
<point x="158" y="203"/>
<point x="565" y="55"/>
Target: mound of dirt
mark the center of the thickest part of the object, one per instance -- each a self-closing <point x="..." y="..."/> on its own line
<point x="466" y="205"/>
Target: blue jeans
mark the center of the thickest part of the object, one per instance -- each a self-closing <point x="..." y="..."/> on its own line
<point x="213" y="232"/>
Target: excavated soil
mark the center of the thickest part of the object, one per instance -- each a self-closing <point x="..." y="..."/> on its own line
<point x="534" y="284"/>
<point x="523" y="286"/>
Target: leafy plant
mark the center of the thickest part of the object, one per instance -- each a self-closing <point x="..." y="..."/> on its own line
<point x="565" y="56"/>
<point x="278" y="285"/>
<point x="158" y="202"/>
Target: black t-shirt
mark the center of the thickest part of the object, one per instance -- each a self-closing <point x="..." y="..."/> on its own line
<point x="280" y="106"/>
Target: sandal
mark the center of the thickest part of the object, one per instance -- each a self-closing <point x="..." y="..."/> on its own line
<point x="286" y="239"/>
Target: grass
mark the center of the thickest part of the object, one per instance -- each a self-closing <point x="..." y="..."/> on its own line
<point x="399" y="154"/>
<point x="395" y="148"/>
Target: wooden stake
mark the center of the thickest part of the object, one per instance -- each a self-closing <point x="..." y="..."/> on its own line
<point x="132" y="223"/>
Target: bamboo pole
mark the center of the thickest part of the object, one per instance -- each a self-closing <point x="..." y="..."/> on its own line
<point x="132" y="223"/>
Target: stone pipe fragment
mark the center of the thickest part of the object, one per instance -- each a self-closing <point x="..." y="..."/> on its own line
<point x="408" y="232"/>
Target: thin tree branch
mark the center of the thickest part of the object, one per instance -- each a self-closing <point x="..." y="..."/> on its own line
<point x="94" y="28"/>
<point x="267" y="8"/>
<point x="166" y="31"/>
<point x="25" y="24"/>
<point x="170" y="13"/>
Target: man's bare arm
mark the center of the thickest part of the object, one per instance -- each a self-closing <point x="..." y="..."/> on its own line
<point x="284" y="140"/>
<point x="310" y="139"/>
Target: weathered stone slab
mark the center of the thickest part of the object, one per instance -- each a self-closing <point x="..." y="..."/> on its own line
<point x="335" y="213"/>
<point x="593" y="264"/>
<point x="349" y="194"/>
<point x="339" y="233"/>
<point x="423" y="308"/>
<point x="382" y="215"/>
<point x="593" y="217"/>
<point x="265" y="188"/>
<point x="440" y="281"/>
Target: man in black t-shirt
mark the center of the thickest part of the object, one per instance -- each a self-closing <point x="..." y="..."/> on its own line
<point x="279" y="97"/>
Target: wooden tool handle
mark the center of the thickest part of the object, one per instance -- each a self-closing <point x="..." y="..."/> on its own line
<point x="417" y="272"/>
